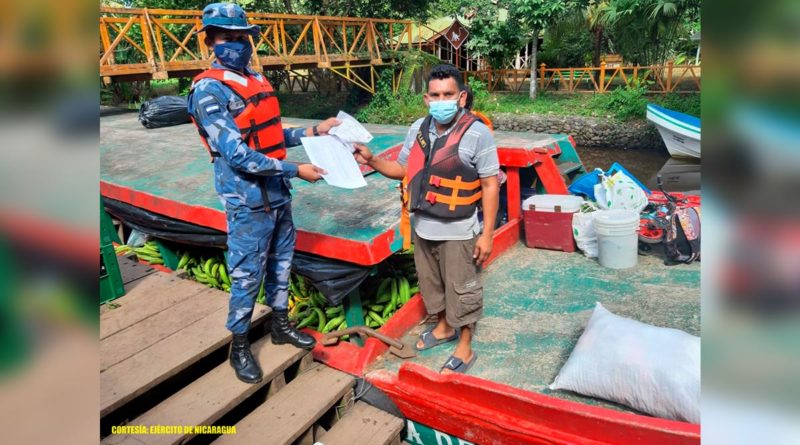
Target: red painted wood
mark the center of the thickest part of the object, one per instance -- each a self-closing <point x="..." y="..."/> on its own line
<point x="202" y="216"/>
<point x="504" y="238"/>
<point x="514" y="157"/>
<point x="363" y="253"/>
<point x="547" y="170"/>
<point x="352" y="359"/>
<point x="513" y="202"/>
<point x="486" y="412"/>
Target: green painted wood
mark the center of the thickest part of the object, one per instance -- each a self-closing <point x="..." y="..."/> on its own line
<point x="170" y="257"/>
<point x="171" y="163"/>
<point x="537" y="302"/>
<point x="353" y="314"/>
<point x="107" y="233"/>
<point x="111" y="285"/>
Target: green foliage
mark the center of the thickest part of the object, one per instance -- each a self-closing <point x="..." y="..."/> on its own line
<point x="493" y="35"/>
<point x="394" y="9"/>
<point x="567" y="42"/>
<point x="387" y="107"/>
<point x="481" y="98"/>
<point x="647" y="31"/>
<point x="553" y="104"/>
<point x="534" y="15"/>
<point x="624" y="103"/>
<point x="683" y="103"/>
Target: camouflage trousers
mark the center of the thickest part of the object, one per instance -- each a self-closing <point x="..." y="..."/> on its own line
<point x="260" y="247"/>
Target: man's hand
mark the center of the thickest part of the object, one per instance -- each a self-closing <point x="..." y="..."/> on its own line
<point x="362" y="154"/>
<point x="310" y="172"/>
<point x="483" y="248"/>
<point x="325" y="126"/>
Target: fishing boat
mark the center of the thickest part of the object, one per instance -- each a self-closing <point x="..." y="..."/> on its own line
<point x="164" y="344"/>
<point x="680" y="132"/>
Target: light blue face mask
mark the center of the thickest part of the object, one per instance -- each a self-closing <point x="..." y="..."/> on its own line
<point x="443" y="111"/>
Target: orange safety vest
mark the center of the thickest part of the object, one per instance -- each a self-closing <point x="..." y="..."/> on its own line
<point x="259" y="121"/>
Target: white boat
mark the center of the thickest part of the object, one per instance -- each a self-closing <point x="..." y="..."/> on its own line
<point x="680" y="132"/>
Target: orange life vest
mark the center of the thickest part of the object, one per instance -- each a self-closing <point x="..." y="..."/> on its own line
<point x="260" y="120"/>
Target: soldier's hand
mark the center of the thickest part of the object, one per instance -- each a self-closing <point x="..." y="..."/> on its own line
<point x="310" y="172"/>
<point x="362" y="154"/>
<point x="325" y="126"/>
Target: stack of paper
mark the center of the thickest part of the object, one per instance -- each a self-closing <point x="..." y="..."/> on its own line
<point x="334" y="152"/>
<point x="350" y="130"/>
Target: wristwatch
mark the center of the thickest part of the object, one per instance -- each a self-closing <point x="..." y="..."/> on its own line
<point x="314" y="129"/>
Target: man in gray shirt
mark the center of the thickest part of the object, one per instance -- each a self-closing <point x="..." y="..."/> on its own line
<point x="449" y="165"/>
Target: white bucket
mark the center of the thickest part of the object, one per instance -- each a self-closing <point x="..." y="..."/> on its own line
<point x="617" y="238"/>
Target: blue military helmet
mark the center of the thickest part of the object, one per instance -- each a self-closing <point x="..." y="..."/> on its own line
<point x="227" y="16"/>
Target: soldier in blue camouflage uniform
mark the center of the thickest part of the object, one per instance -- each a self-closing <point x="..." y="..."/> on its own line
<point x="254" y="189"/>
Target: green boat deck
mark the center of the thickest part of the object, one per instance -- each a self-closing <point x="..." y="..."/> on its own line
<point x="166" y="170"/>
<point x="536" y="303"/>
<point x="171" y="163"/>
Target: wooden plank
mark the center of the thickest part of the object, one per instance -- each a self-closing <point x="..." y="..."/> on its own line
<point x="364" y="425"/>
<point x="132" y="377"/>
<point x="140" y="336"/>
<point x="132" y="270"/>
<point x="158" y="292"/>
<point x="566" y="168"/>
<point x="213" y="395"/>
<point x="285" y="417"/>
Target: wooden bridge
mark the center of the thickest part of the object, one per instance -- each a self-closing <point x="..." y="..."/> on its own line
<point x="144" y="44"/>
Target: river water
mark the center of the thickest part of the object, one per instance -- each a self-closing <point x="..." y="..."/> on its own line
<point x="678" y="175"/>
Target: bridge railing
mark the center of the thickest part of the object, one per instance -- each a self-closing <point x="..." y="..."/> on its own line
<point x="157" y="43"/>
<point x="666" y="78"/>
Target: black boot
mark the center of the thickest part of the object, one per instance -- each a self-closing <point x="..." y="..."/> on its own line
<point x="242" y="360"/>
<point x="283" y="333"/>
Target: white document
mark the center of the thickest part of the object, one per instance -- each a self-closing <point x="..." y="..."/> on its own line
<point x="350" y="130"/>
<point x="336" y="157"/>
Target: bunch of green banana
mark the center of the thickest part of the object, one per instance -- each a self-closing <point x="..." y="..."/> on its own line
<point x="148" y="252"/>
<point x="122" y="249"/>
<point x="393" y="293"/>
<point x="309" y="308"/>
<point x="213" y="272"/>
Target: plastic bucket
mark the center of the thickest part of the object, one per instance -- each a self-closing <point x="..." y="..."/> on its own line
<point x="617" y="238"/>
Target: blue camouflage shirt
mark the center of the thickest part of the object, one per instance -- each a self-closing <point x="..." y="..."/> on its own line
<point x="242" y="176"/>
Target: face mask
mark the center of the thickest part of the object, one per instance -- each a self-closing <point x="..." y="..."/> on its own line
<point x="443" y="111"/>
<point x="235" y="55"/>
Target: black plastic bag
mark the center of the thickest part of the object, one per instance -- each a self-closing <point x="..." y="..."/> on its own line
<point x="334" y="278"/>
<point x="164" y="227"/>
<point x="164" y="111"/>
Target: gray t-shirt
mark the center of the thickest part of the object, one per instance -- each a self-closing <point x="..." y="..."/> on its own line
<point x="477" y="148"/>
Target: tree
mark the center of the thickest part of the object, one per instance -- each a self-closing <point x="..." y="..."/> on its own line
<point x="567" y="41"/>
<point x="646" y="31"/>
<point x="493" y="35"/>
<point x="597" y="18"/>
<point x="532" y="16"/>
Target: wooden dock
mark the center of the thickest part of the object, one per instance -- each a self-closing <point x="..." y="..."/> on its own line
<point x="156" y="343"/>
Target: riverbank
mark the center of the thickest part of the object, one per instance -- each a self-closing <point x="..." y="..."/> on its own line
<point x="596" y="132"/>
